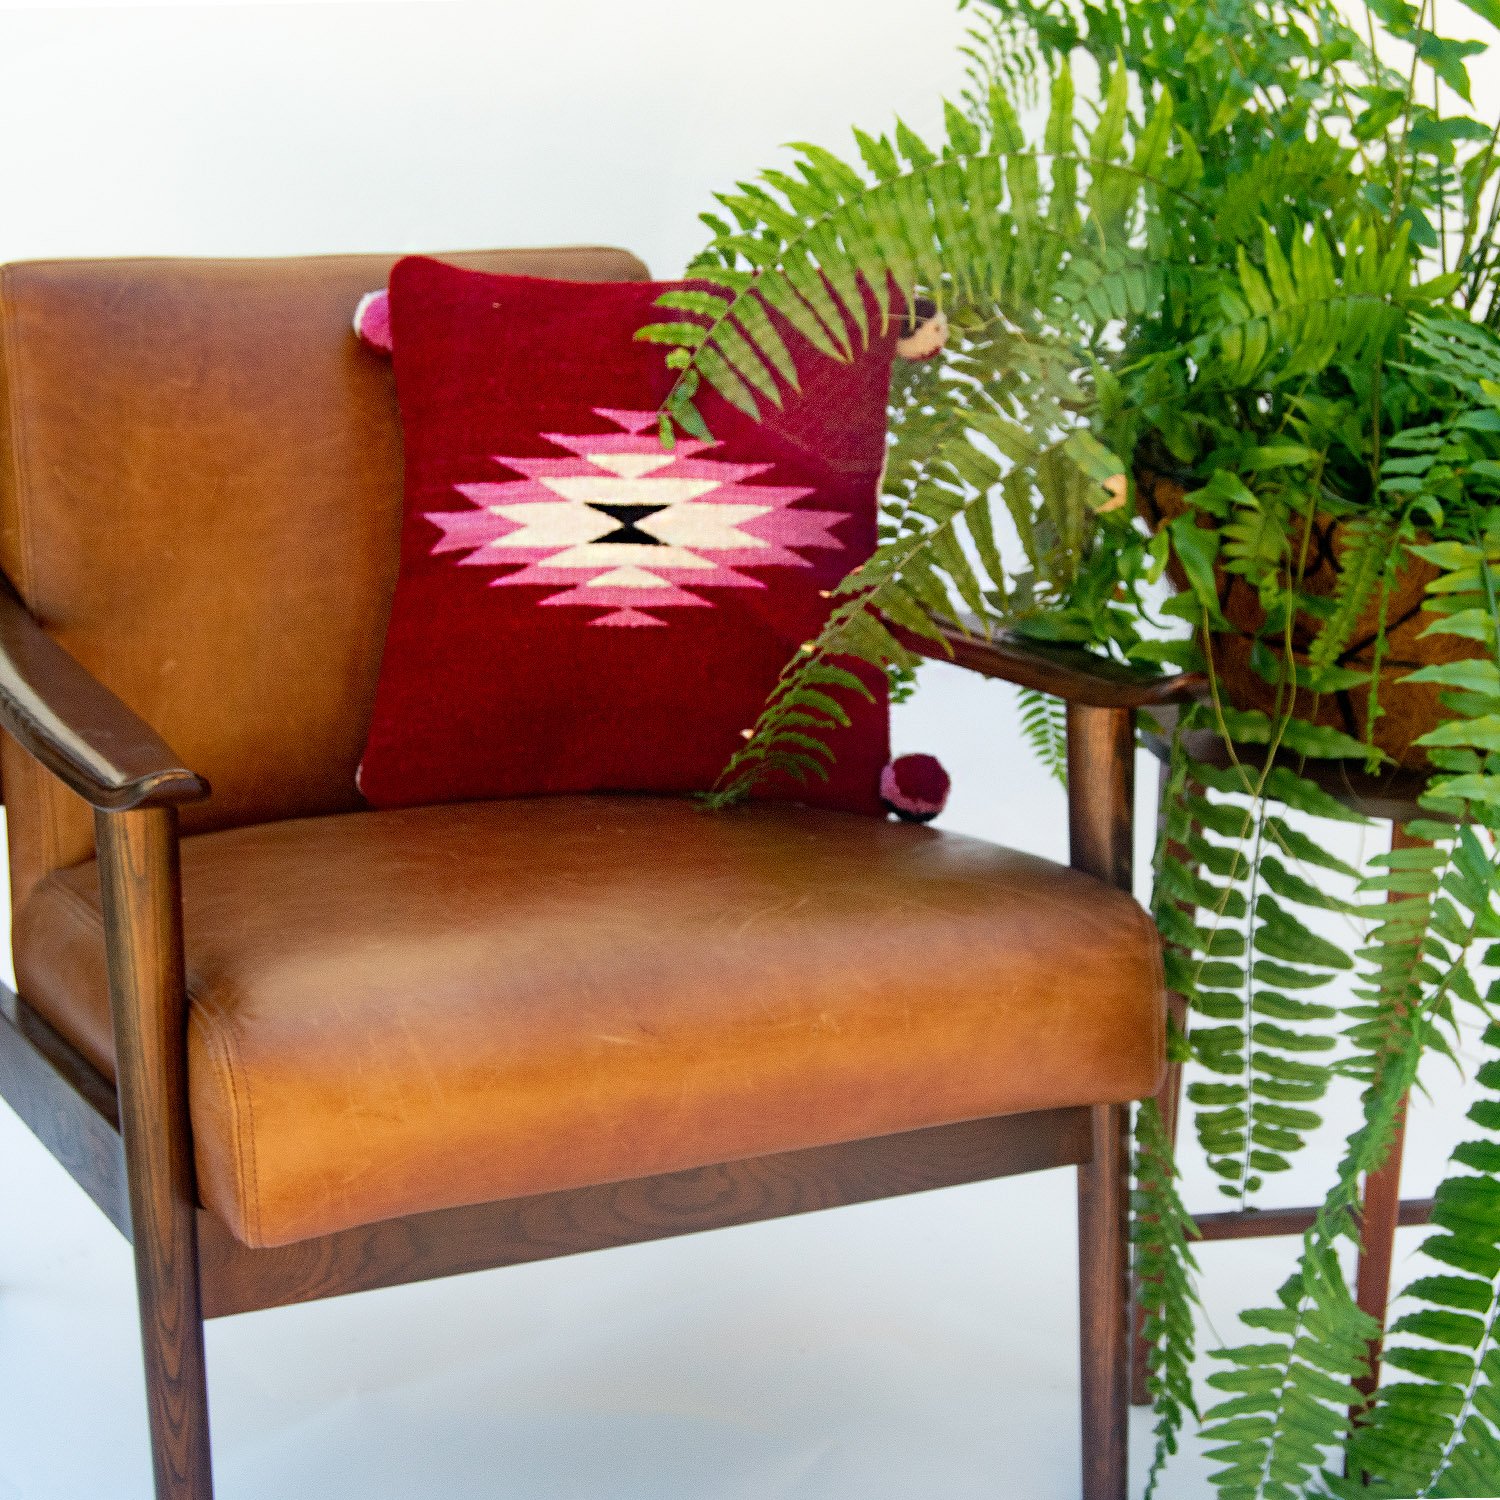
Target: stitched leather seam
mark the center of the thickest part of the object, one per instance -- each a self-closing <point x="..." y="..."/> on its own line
<point x="226" y="1085"/>
<point x="1154" y="945"/>
<point x="217" y="1026"/>
<point x="220" y="1044"/>
<point x="245" y="1140"/>
<point x="77" y="900"/>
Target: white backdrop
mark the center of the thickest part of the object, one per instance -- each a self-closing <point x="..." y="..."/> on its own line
<point x="922" y="1347"/>
<point x="256" y="129"/>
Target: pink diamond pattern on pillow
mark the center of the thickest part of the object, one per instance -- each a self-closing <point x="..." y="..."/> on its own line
<point x="624" y="525"/>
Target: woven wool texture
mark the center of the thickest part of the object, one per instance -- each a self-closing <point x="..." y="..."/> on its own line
<point x="579" y="609"/>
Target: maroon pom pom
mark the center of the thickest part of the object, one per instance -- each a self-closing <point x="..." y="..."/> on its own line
<point x="915" y="788"/>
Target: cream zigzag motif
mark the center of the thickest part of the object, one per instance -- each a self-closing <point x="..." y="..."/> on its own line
<point x="623" y="526"/>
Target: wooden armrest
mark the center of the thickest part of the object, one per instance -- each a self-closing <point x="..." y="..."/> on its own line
<point x="1063" y="671"/>
<point x="76" y="727"/>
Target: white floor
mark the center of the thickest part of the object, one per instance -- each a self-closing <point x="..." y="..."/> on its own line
<point x="918" y="1348"/>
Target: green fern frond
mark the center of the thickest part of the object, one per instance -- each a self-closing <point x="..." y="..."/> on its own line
<point x="1234" y="910"/>
<point x="1044" y="724"/>
<point x="1368" y="558"/>
<point x="1458" y="352"/>
<point x="901" y="683"/>
<point x="1004" y="239"/>
<point x="1320" y="305"/>
<point x="1291" y="1398"/>
<point x="1000" y="52"/>
<point x="1162" y="1231"/>
<point x="833" y="250"/>
<point x="969" y="451"/>
<point x="1288" y="1397"/>
<point x="1031" y="254"/>
<point x="1438" y="1434"/>
<point x="1465" y="600"/>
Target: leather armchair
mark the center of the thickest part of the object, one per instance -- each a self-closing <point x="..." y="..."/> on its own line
<point x="294" y="1048"/>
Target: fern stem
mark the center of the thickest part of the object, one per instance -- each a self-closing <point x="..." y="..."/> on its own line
<point x="1249" y="1073"/>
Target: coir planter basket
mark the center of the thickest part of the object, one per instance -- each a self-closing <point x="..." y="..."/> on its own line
<point x="1407" y="710"/>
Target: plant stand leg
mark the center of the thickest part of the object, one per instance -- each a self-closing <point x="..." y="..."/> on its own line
<point x="142" y="910"/>
<point x="1382" y="1209"/>
<point x="1104" y="1265"/>
<point x="1381" y="1213"/>
<point x="1101" y="785"/>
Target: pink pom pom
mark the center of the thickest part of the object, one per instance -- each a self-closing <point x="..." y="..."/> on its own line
<point x="915" y="788"/>
<point x="372" y="320"/>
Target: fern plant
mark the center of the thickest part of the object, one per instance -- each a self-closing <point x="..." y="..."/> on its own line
<point x="1249" y="264"/>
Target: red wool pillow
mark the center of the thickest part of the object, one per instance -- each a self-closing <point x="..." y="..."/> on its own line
<point x="579" y="609"/>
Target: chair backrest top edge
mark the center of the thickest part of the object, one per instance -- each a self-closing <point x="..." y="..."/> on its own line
<point x="47" y="262"/>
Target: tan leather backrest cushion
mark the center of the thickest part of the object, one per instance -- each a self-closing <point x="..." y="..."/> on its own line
<point x="200" y="498"/>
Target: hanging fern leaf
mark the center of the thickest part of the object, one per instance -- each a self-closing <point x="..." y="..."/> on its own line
<point x="1045" y="727"/>
<point x="1164" y="1264"/>
<point x="1233" y="907"/>
<point x="1288" y="1412"/>
<point x="1288" y="1398"/>
<point x="1438" y="1434"/>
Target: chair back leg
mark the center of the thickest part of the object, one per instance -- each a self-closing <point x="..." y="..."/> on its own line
<point x="1103" y="1287"/>
<point x="142" y="912"/>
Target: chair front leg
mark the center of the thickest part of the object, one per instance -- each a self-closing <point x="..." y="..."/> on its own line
<point x="1104" y="1304"/>
<point x="1101" y="788"/>
<point x="143" y="936"/>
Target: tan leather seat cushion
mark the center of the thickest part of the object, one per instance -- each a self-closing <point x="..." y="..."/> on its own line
<point x="411" y="1010"/>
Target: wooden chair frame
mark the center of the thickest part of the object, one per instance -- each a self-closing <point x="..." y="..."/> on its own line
<point x="130" y="1146"/>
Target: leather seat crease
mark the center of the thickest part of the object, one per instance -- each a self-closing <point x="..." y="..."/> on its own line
<point x="394" y="1012"/>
